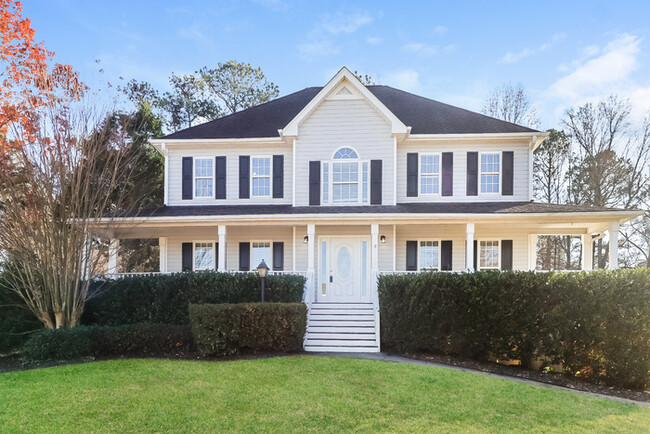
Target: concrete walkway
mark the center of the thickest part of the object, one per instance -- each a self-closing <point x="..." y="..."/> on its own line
<point x="398" y="359"/>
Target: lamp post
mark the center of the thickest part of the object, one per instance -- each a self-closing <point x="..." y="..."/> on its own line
<point x="262" y="270"/>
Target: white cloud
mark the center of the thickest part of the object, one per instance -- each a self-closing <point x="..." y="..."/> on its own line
<point x="345" y="23"/>
<point x="440" y="30"/>
<point x="318" y="49"/>
<point x="420" y="48"/>
<point x="600" y="74"/>
<point x="512" y="57"/>
<point x="374" y="40"/>
<point x="407" y="79"/>
<point x="515" y="57"/>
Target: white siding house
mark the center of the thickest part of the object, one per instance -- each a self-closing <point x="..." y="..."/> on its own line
<point x="344" y="182"/>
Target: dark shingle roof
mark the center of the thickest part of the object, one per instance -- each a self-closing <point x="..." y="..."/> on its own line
<point x="404" y="208"/>
<point x="424" y="115"/>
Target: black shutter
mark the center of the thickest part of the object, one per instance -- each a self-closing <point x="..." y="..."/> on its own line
<point x="216" y="256"/>
<point x="278" y="176"/>
<point x="447" y="174"/>
<point x="278" y="256"/>
<point x="412" y="175"/>
<point x="244" y="176"/>
<point x="475" y="255"/>
<point x="314" y="183"/>
<point x="187" y="178"/>
<point x="375" y="182"/>
<point x="508" y="173"/>
<point x="445" y="255"/>
<point x="187" y="257"/>
<point x="411" y="256"/>
<point x="472" y="173"/>
<point x="245" y="256"/>
<point x="506" y="254"/>
<point x="220" y="178"/>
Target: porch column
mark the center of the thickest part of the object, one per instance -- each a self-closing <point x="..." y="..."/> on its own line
<point x="221" y="265"/>
<point x="162" y="247"/>
<point x="311" y="281"/>
<point x="469" y="248"/>
<point x="587" y="252"/>
<point x="113" y="248"/>
<point x="532" y="252"/>
<point x="613" y="245"/>
<point x="374" y="256"/>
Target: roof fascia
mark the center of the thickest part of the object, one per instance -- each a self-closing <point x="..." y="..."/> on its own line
<point x="397" y="126"/>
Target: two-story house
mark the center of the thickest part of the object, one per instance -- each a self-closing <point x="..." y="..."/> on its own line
<point x="345" y="182"/>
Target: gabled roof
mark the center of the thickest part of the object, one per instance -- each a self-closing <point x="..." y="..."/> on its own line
<point x="424" y="115"/>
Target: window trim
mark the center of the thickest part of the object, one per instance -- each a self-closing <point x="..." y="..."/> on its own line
<point x="270" y="176"/>
<point x="481" y="173"/>
<point x="269" y="261"/>
<point x="439" y="174"/>
<point x="214" y="249"/>
<point x="439" y="241"/>
<point x="330" y="178"/>
<point x="478" y="253"/>
<point x="194" y="178"/>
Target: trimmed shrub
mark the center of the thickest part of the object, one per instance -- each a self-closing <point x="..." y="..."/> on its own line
<point x="16" y="321"/>
<point x="165" y="298"/>
<point x="86" y="342"/>
<point x="597" y="325"/>
<point x="145" y="340"/>
<point x="227" y="329"/>
<point x="58" y="345"/>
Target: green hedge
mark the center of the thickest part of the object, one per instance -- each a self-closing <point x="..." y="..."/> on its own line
<point x="227" y="329"/>
<point x="597" y="325"/>
<point x="165" y="298"/>
<point x="87" y="342"/>
<point x="16" y="321"/>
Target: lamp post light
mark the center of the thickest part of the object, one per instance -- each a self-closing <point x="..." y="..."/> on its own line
<point x="262" y="270"/>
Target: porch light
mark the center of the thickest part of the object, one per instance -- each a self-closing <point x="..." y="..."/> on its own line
<point x="382" y="239"/>
<point x="306" y="239"/>
<point x="262" y="271"/>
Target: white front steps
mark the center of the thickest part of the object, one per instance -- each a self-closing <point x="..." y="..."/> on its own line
<point x="341" y="327"/>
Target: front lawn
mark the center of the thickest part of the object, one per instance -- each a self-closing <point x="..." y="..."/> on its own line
<point x="299" y="393"/>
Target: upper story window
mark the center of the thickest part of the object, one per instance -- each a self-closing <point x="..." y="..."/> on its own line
<point x="261" y="176"/>
<point x="488" y="255"/>
<point x="429" y="174"/>
<point x="490" y="172"/>
<point x="345" y="178"/>
<point x="203" y="177"/>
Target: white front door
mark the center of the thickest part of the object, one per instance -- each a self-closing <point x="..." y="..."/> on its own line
<point x="344" y="270"/>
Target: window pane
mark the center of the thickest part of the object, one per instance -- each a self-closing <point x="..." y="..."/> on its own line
<point x="326" y="187"/>
<point x="489" y="183"/>
<point x="260" y="251"/>
<point x="261" y="166"/>
<point x="429" y="184"/>
<point x="203" y="167"/>
<point x="489" y="254"/>
<point x="428" y="254"/>
<point x="203" y="187"/>
<point x="429" y="164"/>
<point x="345" y="153"/>
<point x="490" y="162"/>
<point x="364" y="185"/>
<point x="261" y="186"/>
<point x="203" y="256"/>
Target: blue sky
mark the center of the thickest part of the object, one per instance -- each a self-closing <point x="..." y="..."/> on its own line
<point x="564" y="53"/>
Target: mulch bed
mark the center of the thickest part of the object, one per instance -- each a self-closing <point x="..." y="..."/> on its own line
<point x="554" y="378"/>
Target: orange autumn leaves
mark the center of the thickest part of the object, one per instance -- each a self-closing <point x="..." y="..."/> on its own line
<point x="29" y="83"/>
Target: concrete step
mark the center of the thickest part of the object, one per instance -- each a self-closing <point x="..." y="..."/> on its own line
<point x="342" y="342"/>
<point x="341" y="329"/>
<point x="342" y="336"/>
<point x="315" y="322"/>
<point x="335" y="349"/>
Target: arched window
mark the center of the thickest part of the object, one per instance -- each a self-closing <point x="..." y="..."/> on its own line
<point x="345" y="182"/>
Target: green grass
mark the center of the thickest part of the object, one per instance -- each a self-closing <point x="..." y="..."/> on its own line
<point x="293" y="394"/>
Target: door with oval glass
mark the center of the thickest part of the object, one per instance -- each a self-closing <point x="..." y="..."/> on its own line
<point x="344" y="270"/>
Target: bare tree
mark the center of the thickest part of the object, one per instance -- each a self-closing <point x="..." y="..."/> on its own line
<point x="53" y="192"/>
<point x="511" y="103"/>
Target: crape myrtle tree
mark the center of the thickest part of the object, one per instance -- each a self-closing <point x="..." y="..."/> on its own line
<point x="56" y="180"/>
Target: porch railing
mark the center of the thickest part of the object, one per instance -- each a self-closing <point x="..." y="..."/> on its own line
<point x="147" y="273"/>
